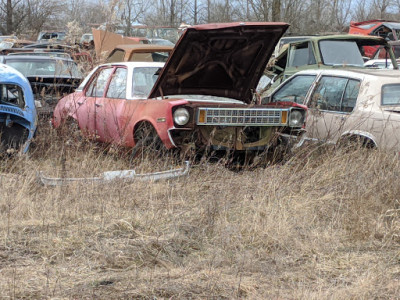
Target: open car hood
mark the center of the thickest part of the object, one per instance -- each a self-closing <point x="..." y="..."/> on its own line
<point x="225" y="60"/>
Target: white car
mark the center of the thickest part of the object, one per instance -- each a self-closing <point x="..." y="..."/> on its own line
<point x="347" y="104"/>
<point x="379" y="64"/>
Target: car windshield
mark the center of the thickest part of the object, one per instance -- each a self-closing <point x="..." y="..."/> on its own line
<point x="341" y="53"/>
<point x="43" y="68"/>
<point x="295" y="89"/>
<point x="143" y="80"/>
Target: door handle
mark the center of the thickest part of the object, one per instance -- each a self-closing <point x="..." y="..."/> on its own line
<point x="99" y="105"/>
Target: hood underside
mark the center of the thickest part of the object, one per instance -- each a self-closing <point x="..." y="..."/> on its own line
<point x="223" y="60"/>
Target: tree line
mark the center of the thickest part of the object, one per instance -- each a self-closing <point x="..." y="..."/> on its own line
<point x="305" y="16"/>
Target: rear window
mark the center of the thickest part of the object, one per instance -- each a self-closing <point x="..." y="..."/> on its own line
<point x="49" y="68"/>
<point x="149" y="56"/>
<point x="391" y="94"/>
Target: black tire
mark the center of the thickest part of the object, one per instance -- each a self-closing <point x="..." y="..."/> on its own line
<point x="70" y="132"/>
<point x="147" y="143"/>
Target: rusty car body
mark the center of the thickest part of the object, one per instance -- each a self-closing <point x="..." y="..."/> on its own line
<point x="140" y="52"/>
<point x="347" y="105"/>
<point x="18" y="117"/>
<point x="389" y="30"/>
<point x="203" y="98"/>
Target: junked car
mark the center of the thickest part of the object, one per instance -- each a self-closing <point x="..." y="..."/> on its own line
<point x="50" y="77"/>
<point x="326" y="52"/>
<point x="46" y="36"/>
<point x="203" y="98"/>
<point x="378" y="64"/>
<point x="18" y="117"/>
<point x="347" y="105"/>
<point x="389" y="30"/>
<point x="140" y="52"/>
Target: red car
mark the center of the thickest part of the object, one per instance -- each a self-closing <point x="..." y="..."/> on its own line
<point x="204" y="96"/>
<point x="389" y="30"/>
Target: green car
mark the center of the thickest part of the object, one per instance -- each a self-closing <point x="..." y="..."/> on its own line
<point x="325" y="52"/>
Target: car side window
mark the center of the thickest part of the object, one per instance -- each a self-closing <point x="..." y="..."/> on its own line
<point x="12" y="94"/>
<point x="301" y="55"/>
<point x="117" y="87"/>
<point x="295" y="89"/>
<point x="143" y="80"/>
<point x="391" y="94"/>
<point x="350" y="96"/>
<point x="116" y="56"/>
<point x="98" y="85"/>
<point x="335" y="94"/>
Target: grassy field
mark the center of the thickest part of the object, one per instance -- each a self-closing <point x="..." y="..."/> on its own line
<point x="324" y="225"/>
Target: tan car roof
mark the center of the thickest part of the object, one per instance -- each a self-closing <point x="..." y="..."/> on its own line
<point x="144" y="48"/>
<point x="137" y="52"/>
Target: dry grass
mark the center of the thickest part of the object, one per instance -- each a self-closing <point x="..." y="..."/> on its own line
<point x="324" y="225"/>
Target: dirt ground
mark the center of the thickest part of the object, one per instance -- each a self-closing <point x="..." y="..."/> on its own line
<point x="326" y="224"/>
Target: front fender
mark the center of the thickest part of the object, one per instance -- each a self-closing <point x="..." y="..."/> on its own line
<point x="65" y="108"/>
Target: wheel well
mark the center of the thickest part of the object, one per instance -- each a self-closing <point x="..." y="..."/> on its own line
<point x="363" y="140"/>
<point x="141" y="126"/>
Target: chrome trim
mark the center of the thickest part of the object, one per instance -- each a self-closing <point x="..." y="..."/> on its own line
<point x="242" y="116"/>
<point x="170" y="137"/>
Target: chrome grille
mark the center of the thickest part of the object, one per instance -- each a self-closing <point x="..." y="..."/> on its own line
<point x="240" y="116"/>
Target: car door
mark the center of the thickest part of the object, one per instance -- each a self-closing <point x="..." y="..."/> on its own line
<point x="87" y="112"/>
<point x="300" y="57"/>
<point x="330" y="106"/>
<point x="110" y="125"/>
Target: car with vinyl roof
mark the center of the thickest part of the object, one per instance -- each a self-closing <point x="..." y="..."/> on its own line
<point x="347" y="105"/>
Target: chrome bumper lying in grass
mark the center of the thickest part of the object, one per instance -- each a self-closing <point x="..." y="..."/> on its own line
<point x="125" y="175"/>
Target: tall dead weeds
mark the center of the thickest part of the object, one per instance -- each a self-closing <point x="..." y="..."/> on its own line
<point x="323" y="224"/>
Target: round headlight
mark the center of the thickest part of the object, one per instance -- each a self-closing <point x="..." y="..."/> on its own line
<point x="181" y="116"/>
<point x="296" y="118"/>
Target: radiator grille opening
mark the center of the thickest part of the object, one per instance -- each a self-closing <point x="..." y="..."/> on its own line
<point x="241" y="117"/>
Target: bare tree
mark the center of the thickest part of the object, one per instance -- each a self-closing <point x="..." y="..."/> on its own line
<point x="14" y="12"/>
<point x="340" y="14"/>
<point x="276" y="10"/>
<point x="380" y="8"/>
<point x="260" y="9"/>
<point x="133" y="11"/>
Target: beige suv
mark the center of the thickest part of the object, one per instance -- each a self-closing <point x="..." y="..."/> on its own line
<point x="347" y="104"/>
